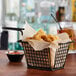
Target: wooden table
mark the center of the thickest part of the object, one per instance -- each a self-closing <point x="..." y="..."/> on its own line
<point x="19" y="69"/>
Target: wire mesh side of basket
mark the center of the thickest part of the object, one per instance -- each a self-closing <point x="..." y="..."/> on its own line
<point x="61" y="55"/>
<point x="38" y="59"/>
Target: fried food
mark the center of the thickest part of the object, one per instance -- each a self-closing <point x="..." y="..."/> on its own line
<point x="38" y="35"/>
<point x="29" y="38"/>
<point x="41" y="32"/>
<point x="41" y="35"/>
<point x="45" y="38"/>
<point x="53" y="37"/>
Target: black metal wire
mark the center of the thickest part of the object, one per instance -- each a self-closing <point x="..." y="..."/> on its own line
<point x="41" y="60"/>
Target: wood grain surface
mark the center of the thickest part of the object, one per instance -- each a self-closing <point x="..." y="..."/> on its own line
<point x="20" y="69"/>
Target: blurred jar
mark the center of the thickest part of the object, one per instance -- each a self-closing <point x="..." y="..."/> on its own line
<point x="60" y="14"/>
<point x="68" y="28"/>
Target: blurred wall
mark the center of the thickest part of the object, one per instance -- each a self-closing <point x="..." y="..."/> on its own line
<point x="0" y="9"/>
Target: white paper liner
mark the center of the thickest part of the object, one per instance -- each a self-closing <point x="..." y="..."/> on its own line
<point x="28" y="32"/>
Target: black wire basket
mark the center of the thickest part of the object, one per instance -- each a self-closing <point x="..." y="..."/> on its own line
<point x="41" y="59"/>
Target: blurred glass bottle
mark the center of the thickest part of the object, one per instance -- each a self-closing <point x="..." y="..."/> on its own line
<point x="11" y="21"/>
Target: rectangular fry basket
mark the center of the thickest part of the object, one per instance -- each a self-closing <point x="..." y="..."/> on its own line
<point x="41" y="59"/>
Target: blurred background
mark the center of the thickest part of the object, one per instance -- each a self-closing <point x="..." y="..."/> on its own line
<point x="14" y="13"/>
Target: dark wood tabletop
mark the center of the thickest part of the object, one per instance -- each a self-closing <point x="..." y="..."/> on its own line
<point x="20" y="69"/>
